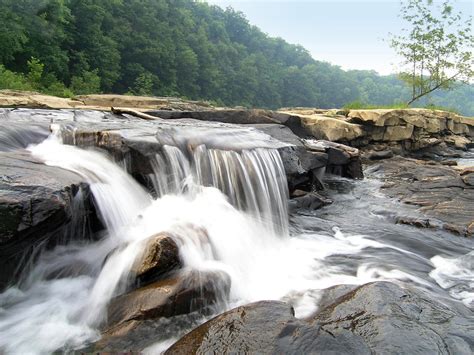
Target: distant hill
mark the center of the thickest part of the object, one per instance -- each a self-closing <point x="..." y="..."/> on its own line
<point x="178" y="48"/>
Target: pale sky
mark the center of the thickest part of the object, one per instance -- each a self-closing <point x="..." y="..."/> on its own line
<point x="348" y="33"/>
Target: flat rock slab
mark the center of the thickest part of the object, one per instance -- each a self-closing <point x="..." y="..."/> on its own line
<point x="440" y="192"/>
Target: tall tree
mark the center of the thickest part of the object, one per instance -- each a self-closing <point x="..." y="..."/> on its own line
<point x="436" y="48"/>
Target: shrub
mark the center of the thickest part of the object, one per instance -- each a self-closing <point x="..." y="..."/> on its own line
<point x="12" y="80"/>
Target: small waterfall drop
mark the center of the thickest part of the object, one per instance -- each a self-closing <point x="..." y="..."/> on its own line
<point x="254" y="180"/>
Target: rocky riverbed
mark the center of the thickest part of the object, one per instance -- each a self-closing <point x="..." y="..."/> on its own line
<point x="120" y="209"/>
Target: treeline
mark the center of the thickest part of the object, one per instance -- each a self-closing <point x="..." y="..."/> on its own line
<point x="177" y="48"/>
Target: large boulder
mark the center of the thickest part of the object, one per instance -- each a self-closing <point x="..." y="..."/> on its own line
<point x="132" y="316"/>
<point x="160" y="257"/>
<point x="184" y="293"/>
<point x="332" y="129"/>
<point x="379" y="317"/>
<point x="39" y="204"/>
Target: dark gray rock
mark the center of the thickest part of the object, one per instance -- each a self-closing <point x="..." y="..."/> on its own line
<point x="40" y="206"/>
<point x="17" y="135"/>
<point x="379" y="317"/>
<point x="379" y="155"/>
<point x="310" y="201"/>
<point x="440" y="192"/>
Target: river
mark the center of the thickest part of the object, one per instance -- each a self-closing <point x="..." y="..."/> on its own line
<point x="240" y="200"/>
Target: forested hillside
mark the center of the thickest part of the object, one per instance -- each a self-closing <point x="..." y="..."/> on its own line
<point x="180" y="48"/>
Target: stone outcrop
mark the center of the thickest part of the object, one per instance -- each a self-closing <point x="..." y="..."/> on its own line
<point x="416" y="126"/>
<point x="379" y="317"/>
<point x="407" y="129"/>
<point x="342" y="160"/>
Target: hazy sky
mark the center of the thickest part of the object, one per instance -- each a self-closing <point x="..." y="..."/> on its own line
<point x="348" y="33"/>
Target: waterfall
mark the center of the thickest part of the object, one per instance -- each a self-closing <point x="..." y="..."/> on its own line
<point x="253" y="180"/>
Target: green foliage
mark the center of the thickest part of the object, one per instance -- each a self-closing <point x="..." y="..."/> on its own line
<point x="143" y="85"/>
<point x="358" y="105"/>
<point x="13" y="81"/>
<point x="87" y="83"/>
<point x="442" y="108"/>
<point x="181" y="48"/>
<point x="35" y="72"/>
<point x="436" y="49"/>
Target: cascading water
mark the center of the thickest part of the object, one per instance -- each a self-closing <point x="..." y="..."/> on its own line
<point x="239" y="199"/>
<point x="254" y="181"/>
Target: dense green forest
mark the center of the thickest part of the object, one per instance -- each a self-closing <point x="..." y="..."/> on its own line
<point x="181" y="48"/>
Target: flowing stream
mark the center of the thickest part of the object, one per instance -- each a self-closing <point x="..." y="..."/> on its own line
<point x="240" y="200"/>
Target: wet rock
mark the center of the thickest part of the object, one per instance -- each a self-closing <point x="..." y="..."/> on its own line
<point x="232" y="116"/>
<point x="239" y="116"/>
<point x="40" y="206"/>
<point x="15" y="135"/>
<point x="379" y="155"/>
<point x="395" y="320"/>
<point x="160" y="257"/>
<point x="438" y="152"/>
<point x="379" y="317"/>
<point x="310" y="200"/>
<point x="439" y="191"/>
<point x="253" y="328"/>
<point x="302" y="166"/>
<point x="184" y="293"/>
<point x="416" y="222"/>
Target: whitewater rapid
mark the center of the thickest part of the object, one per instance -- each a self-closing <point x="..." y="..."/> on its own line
<point x="240" y="200"/>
